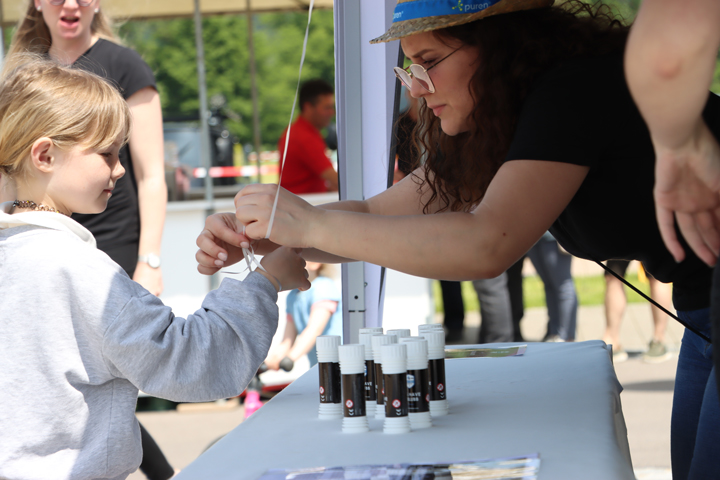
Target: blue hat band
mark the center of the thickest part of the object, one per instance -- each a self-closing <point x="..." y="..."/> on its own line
<point x="434" y="8"/>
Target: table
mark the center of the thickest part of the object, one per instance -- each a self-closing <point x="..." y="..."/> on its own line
<point x="561" y="400"/>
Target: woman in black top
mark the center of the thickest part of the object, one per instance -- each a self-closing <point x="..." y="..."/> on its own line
<point x="530" y="107"/>
<point x="75" y="32"/>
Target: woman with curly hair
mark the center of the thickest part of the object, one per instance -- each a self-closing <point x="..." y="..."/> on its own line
<point x="529" y="126"/>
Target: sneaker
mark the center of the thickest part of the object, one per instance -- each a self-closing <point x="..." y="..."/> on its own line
<point x="554" y="339"/>
<point x="619" y="356"/>
<point x="656" y="353"/>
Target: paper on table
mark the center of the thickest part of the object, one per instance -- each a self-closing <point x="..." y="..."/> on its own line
<point x="468" y="352"/>
<point x="512" y="468"/>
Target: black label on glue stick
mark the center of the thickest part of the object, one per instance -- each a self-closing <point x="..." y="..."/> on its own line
<point x="330" y="391"/>
<point x="418" y="384"/>
<point x="396" y="395"/>
<point x="379" y="388"/>
<point x="437" y="379"/>
<point x="370" y="389"/>
<point x="353" y="388"/>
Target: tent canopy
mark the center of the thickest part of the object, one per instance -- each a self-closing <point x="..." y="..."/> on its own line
<point x="12" y="10"/>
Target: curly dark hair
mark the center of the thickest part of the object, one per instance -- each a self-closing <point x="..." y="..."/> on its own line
<point x="515" y="49"/>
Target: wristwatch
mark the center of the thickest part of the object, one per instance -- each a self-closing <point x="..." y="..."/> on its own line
<point x="151" y="259"/>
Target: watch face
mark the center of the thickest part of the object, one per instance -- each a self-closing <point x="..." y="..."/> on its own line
<point x="154" y="261"/>
<point x="151" y="259"/>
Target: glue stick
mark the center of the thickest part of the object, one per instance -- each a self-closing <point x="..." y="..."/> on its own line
<point x="352" y="366"/>
<point x="329" y="372"/>
<point x="436" y="367"/>
<point x="394" y="366"/>
<point x="399" y="332"/>
<point x="418" y="382"/>
<point x="373" y="330"/>
<point x="370" y="386"/>
<point x="377" y="341"/>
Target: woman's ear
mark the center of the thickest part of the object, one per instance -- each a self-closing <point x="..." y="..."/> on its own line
<point x="41" y="154"/>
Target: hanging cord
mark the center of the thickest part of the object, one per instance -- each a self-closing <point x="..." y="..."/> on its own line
<point x="292" y="113"/>
<point x="646" y="297"/>
<point x="249" y="253"/>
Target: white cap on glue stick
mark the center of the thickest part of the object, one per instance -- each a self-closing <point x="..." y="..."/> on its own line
<point x="399" y="332"/>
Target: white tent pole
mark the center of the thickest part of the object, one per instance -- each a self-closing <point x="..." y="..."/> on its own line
<point x="365" y="90"/>
<point x="348" y="99"/>
<point x="253" y="90"/>
<point x="205" y="153"/>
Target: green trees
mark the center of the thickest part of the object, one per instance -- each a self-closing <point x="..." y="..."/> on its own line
<point x="169" y="48"/>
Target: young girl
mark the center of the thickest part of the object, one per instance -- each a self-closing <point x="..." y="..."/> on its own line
<point x="78" y="337"/>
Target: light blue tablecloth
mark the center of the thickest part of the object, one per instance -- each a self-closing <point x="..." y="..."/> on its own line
<point x="560" y="400"/>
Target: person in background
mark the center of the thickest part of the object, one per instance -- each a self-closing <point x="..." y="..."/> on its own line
<point x="554" y="266"/>
<point x="530" y="106"/>
<point x="670" y="61"/>
<point x="615" y="303"/>
<point x="306" y="168"/>
<point x="314" y="312"/>
<point x="77" y="33"/>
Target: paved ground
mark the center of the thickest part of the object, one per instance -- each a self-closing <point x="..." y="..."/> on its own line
<point x="647" y="397"/>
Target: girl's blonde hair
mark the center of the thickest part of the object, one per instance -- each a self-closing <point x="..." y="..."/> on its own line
<point x="33" y="35"/>
<point x="71" y="107"/>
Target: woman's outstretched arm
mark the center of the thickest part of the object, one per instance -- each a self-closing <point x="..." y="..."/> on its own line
<point x="523" y="200"/>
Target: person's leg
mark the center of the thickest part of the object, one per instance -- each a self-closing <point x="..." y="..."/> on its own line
<point x="538" y="255"/>
<point x="495" y="313"/>
<point x="615" y="303"/>
<point x="662" y="293"/>
<point x="564" y="288"/>
<point x="517" y="302"/>
<point x="691" y="381"/>
<point x="154" y="464"/>
<point x="705" y="461"/>
<point x="454" y="309"/>
<point x="715" y="321"/>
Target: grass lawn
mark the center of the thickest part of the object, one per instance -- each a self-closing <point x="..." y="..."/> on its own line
<point x="591" y="291"/>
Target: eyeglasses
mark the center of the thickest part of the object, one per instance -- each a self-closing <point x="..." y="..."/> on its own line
<point x="419" y="73"/>
<point x="82" y="3"/>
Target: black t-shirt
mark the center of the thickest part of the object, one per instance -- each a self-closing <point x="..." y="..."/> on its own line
<point x="119" y="224"/>
<point x="582" y="113"/>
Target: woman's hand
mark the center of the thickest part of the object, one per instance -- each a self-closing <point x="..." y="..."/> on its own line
<point x="294" y="217"/>
<point x="687" y="189"/>
<point x="220" y="243"/>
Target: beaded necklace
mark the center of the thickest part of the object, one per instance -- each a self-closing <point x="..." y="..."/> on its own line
<point x="29" y="204"/>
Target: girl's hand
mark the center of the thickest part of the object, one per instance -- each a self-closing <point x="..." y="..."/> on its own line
<point x="687" y="190"/>
<point x="220" y="243"/>
<point x="294" y="217"/>
<point x="288" y="267"/>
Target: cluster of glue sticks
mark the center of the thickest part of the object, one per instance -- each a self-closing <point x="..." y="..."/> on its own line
<point x="394" y="377"/>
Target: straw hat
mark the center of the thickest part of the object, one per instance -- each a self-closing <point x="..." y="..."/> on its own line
<point x="416" y="16"/>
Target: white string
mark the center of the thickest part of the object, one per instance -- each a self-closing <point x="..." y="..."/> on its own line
<point x="249" y="252"/>
<point x="250" y="260"/>
<point x="292" y="114"/>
